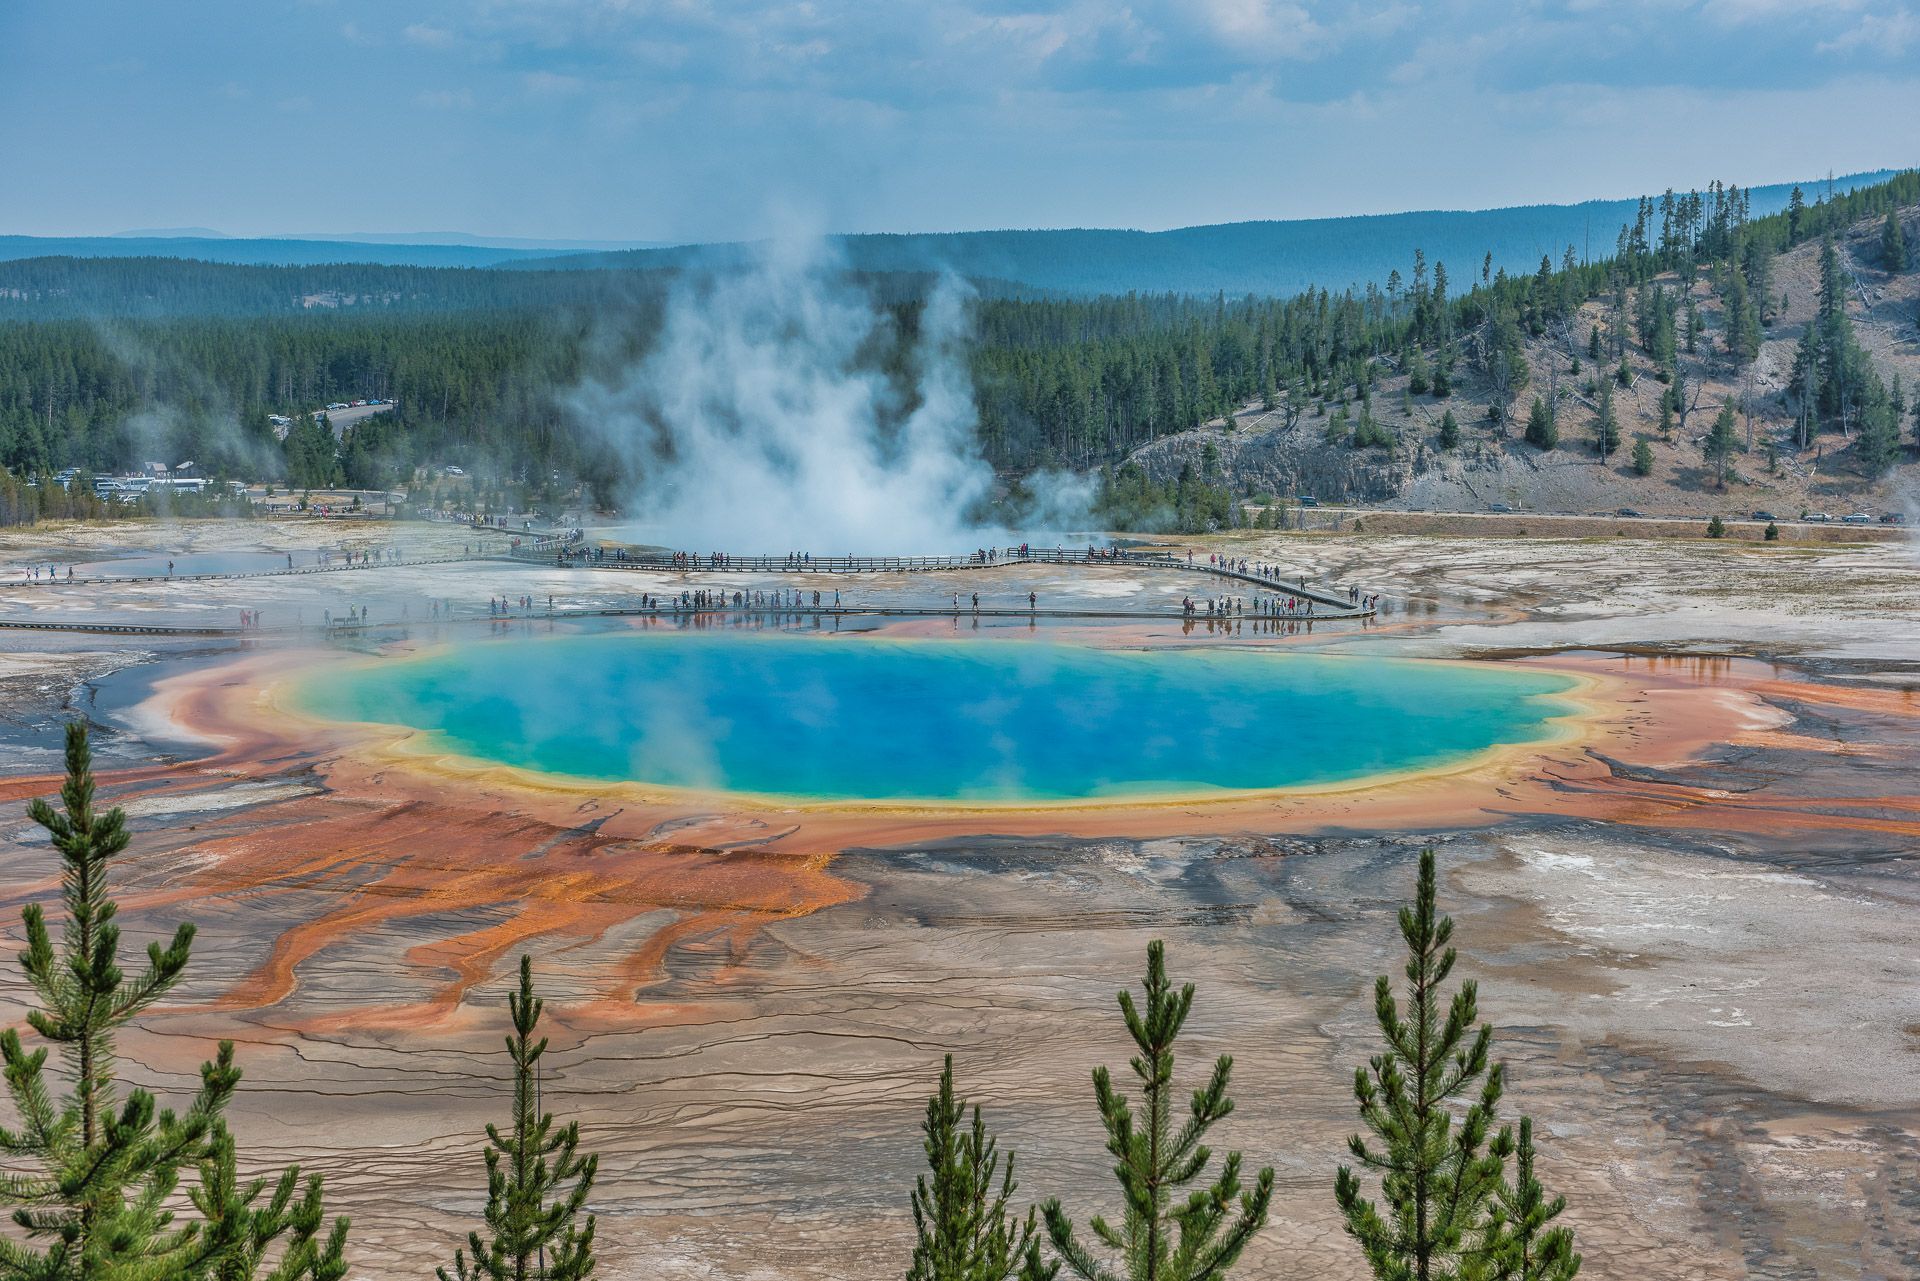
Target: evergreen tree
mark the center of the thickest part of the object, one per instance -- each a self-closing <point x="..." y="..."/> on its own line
<point x="1879" y="444"/>
<point x="1438" y="1171"/>
<point x="1606" y="427"/>
<point x="1158" y="1239"/>
<point x="1742" y="318"/>
<point x="964" y="1230"/>
<point x="1642" y="457"/>
<point x="1450" y="431"/>
<point x="1520" y="1243"/>
<point x="94" y="1179"/>
<point x="1503" y="360"/>
<point x="537" y="1181"/>
<point x="1541" y="431"/>
<point x="1716" y="528"/>
<point x="247" y="1229"/>
<point x="1722" y="440"/>
<point x="1833" y="379"/>
<point x="1893" y="243"/>
<point x="1756" y="268"/>
<point x="1677" y="399"/>
<point x="1660" y="341"/>
<point x="1772" y="533"/>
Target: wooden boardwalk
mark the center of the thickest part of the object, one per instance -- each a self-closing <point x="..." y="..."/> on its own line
<point x="780" y="616"/>
<point x="555" y="551"/>
<point x="563" y="555"/>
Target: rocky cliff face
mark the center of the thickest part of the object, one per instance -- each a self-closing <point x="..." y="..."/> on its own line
<point x="1261" y="457"/>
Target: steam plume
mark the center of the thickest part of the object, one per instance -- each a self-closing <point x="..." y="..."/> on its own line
<point x="765" y="424"/>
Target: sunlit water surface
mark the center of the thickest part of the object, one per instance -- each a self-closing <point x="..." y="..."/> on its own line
<point x="1007" y="721"/>
<point x="186" y="564"/>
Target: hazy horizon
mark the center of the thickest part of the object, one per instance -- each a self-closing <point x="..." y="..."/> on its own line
<point x="467" y="236"/>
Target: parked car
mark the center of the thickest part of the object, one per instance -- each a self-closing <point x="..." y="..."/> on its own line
<point x="1858" y="518"/>
<point x="1502" y="508"/>
<point x="1817" y="518"/>
<point x="1893" y="518"/>
<point x="1764" y="516"/>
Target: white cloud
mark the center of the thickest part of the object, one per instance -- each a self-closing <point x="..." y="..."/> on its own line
<point x="1889" y="35"/>
<point x="1268" y="26"/>
<point x="1033" y="37"/>
<point x="1734" y="13"/>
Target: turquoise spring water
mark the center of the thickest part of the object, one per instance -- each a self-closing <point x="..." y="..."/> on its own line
<point x="973" y="721"/>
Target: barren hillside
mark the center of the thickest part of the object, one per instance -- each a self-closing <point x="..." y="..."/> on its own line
<point x="1259" y="454"/>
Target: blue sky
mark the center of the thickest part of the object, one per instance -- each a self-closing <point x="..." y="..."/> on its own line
<point x="698" y="119"/>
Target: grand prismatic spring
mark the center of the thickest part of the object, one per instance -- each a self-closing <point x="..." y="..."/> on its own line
<point x="852" y="718"/>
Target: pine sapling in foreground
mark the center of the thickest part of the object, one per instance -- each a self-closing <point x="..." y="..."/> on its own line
<point x="1166" y="1232"/>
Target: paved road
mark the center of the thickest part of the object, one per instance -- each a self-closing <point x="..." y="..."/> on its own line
<point x="345" y="418"/>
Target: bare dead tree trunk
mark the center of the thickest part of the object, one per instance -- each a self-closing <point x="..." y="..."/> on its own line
<point x="1746" y="405"/>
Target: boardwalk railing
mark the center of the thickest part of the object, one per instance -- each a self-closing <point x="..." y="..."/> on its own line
<point x="692" y="562"/>
<point x="554" y="551"/>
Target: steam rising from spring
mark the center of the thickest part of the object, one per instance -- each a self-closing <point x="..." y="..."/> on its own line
<point x="766" y="425"/>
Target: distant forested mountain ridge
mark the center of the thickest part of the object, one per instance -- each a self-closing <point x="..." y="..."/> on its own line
<point x="1239" y="260"/>
<point x="51" y="288"/>
<point x="281" y="252"/>
<point x="1269" y="258"/>
<point x="157" y="288"/>
<point x="1272" y="259"/>
<point x="1804" y="316"/>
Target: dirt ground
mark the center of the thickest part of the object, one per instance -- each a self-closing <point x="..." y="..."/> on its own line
<point x="1701" y="970"/>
